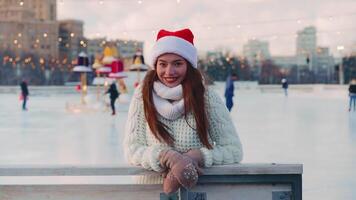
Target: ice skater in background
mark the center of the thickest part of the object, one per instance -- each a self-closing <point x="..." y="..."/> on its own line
<point x="24" y="94"/>
<point x="114" y="94"/>
<point x="352" y="94"/>
<point x="229" y="90"/>
<point x="285" y="86"/>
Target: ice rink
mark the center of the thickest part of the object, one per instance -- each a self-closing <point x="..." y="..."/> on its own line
<point x="311" y="126"/>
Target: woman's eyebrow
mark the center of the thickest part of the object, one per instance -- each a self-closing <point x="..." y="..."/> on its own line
<point x="178" y="60"/>
<point x="160" y="60"/>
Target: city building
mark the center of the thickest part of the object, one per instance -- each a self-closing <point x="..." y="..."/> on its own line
<point x="324" y="65"/>
<point x="71" y="40"/>
<point x="27" y="10"/>
<point x="29" y="26"/>
<point x="96" y="46"/>
<point x="128" y="48"/>
<point x="285" y="61"/>
<point x="256" y="51"/>
<point x="353" y="49"/>
<point x="306" y="44"/>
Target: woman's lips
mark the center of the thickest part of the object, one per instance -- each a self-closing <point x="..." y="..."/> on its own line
<point x="171" y="79"/>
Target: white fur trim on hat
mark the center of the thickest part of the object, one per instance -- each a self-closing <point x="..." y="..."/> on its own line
<point x="176" y="45"/>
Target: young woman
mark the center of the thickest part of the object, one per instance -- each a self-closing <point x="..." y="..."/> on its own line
<point x="176" y="125"/>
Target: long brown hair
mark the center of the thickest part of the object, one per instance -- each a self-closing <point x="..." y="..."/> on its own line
<point x="194" y="101"/>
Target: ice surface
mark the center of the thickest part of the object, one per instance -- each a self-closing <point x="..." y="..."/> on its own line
<point x="311" y="126"/>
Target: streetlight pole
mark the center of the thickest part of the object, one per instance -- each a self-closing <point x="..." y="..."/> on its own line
<point x="341" y="73"/>
<point x="341" y="67"/>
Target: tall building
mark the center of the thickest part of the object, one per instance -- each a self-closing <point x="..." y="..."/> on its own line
<point x="71" y="40"/>
<point x="306" y="41"/>
<point x="45" y="10"/>
<point x="324" y="65"/>
<point x="15" y="10"/>
<point x="306" y="47"/>
<point x="353" y="49"/>
<point x="29" y="26"/>
<point x="255" y="51"/>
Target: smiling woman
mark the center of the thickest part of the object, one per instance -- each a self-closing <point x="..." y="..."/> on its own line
<point x="171" y="69"/>
<point x="176" y="125"/>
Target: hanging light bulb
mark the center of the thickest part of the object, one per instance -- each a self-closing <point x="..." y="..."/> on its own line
<point x="101" y="2"/>
<point x="21" y="3"/>
<point x="178" y="1"/>
<point x="340" y="47"/>
<point x="139" y="2"/>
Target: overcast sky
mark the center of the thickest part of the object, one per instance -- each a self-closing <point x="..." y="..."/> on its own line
<point x="218" y="24"/>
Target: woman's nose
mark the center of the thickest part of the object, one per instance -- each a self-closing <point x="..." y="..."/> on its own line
<point x="170" y="69"/>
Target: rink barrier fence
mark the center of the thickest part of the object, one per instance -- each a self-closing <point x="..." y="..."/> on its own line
<point x="242" y="181"/>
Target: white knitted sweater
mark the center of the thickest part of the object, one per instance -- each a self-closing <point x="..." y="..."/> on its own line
<point x="142" y="148"/>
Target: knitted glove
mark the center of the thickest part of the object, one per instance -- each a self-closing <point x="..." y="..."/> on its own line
<point x="170" y="183"/>
<point x="197" y="157"/>
<point x="182" y="168"/>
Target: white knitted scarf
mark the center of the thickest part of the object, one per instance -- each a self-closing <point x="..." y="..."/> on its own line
<point x="161" y="94"/>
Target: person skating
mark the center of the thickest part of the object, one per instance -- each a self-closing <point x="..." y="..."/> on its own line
<point x="352" y="94"/>
<point x="114" y="94"/>
<point x="24" y="94"/>
<point x="229" y="91"/>
<point x="285" y="86"/>
<point x="176" y="124"/>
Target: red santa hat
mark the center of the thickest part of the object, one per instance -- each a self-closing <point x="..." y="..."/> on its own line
<point x="178" y="42"/>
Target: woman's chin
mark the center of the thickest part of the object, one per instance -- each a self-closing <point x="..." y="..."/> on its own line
<point x="171" y="84"/>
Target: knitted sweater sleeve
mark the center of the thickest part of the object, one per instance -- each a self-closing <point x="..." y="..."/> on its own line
<point x="227" y="147"/>
<point x="137" y="151"/>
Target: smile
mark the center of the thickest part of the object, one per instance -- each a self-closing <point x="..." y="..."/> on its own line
<point x="171" y="79"/>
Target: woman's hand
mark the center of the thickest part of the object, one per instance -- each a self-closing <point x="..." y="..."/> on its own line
<point x="182" y="167"/>
<point x="197" y="157"/>
<point x="171" y="183"/>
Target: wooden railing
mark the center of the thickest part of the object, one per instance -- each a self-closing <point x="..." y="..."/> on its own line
<point x="239" y="181"/>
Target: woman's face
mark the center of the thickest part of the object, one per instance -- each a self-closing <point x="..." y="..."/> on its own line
<point x="171" y="69"/>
